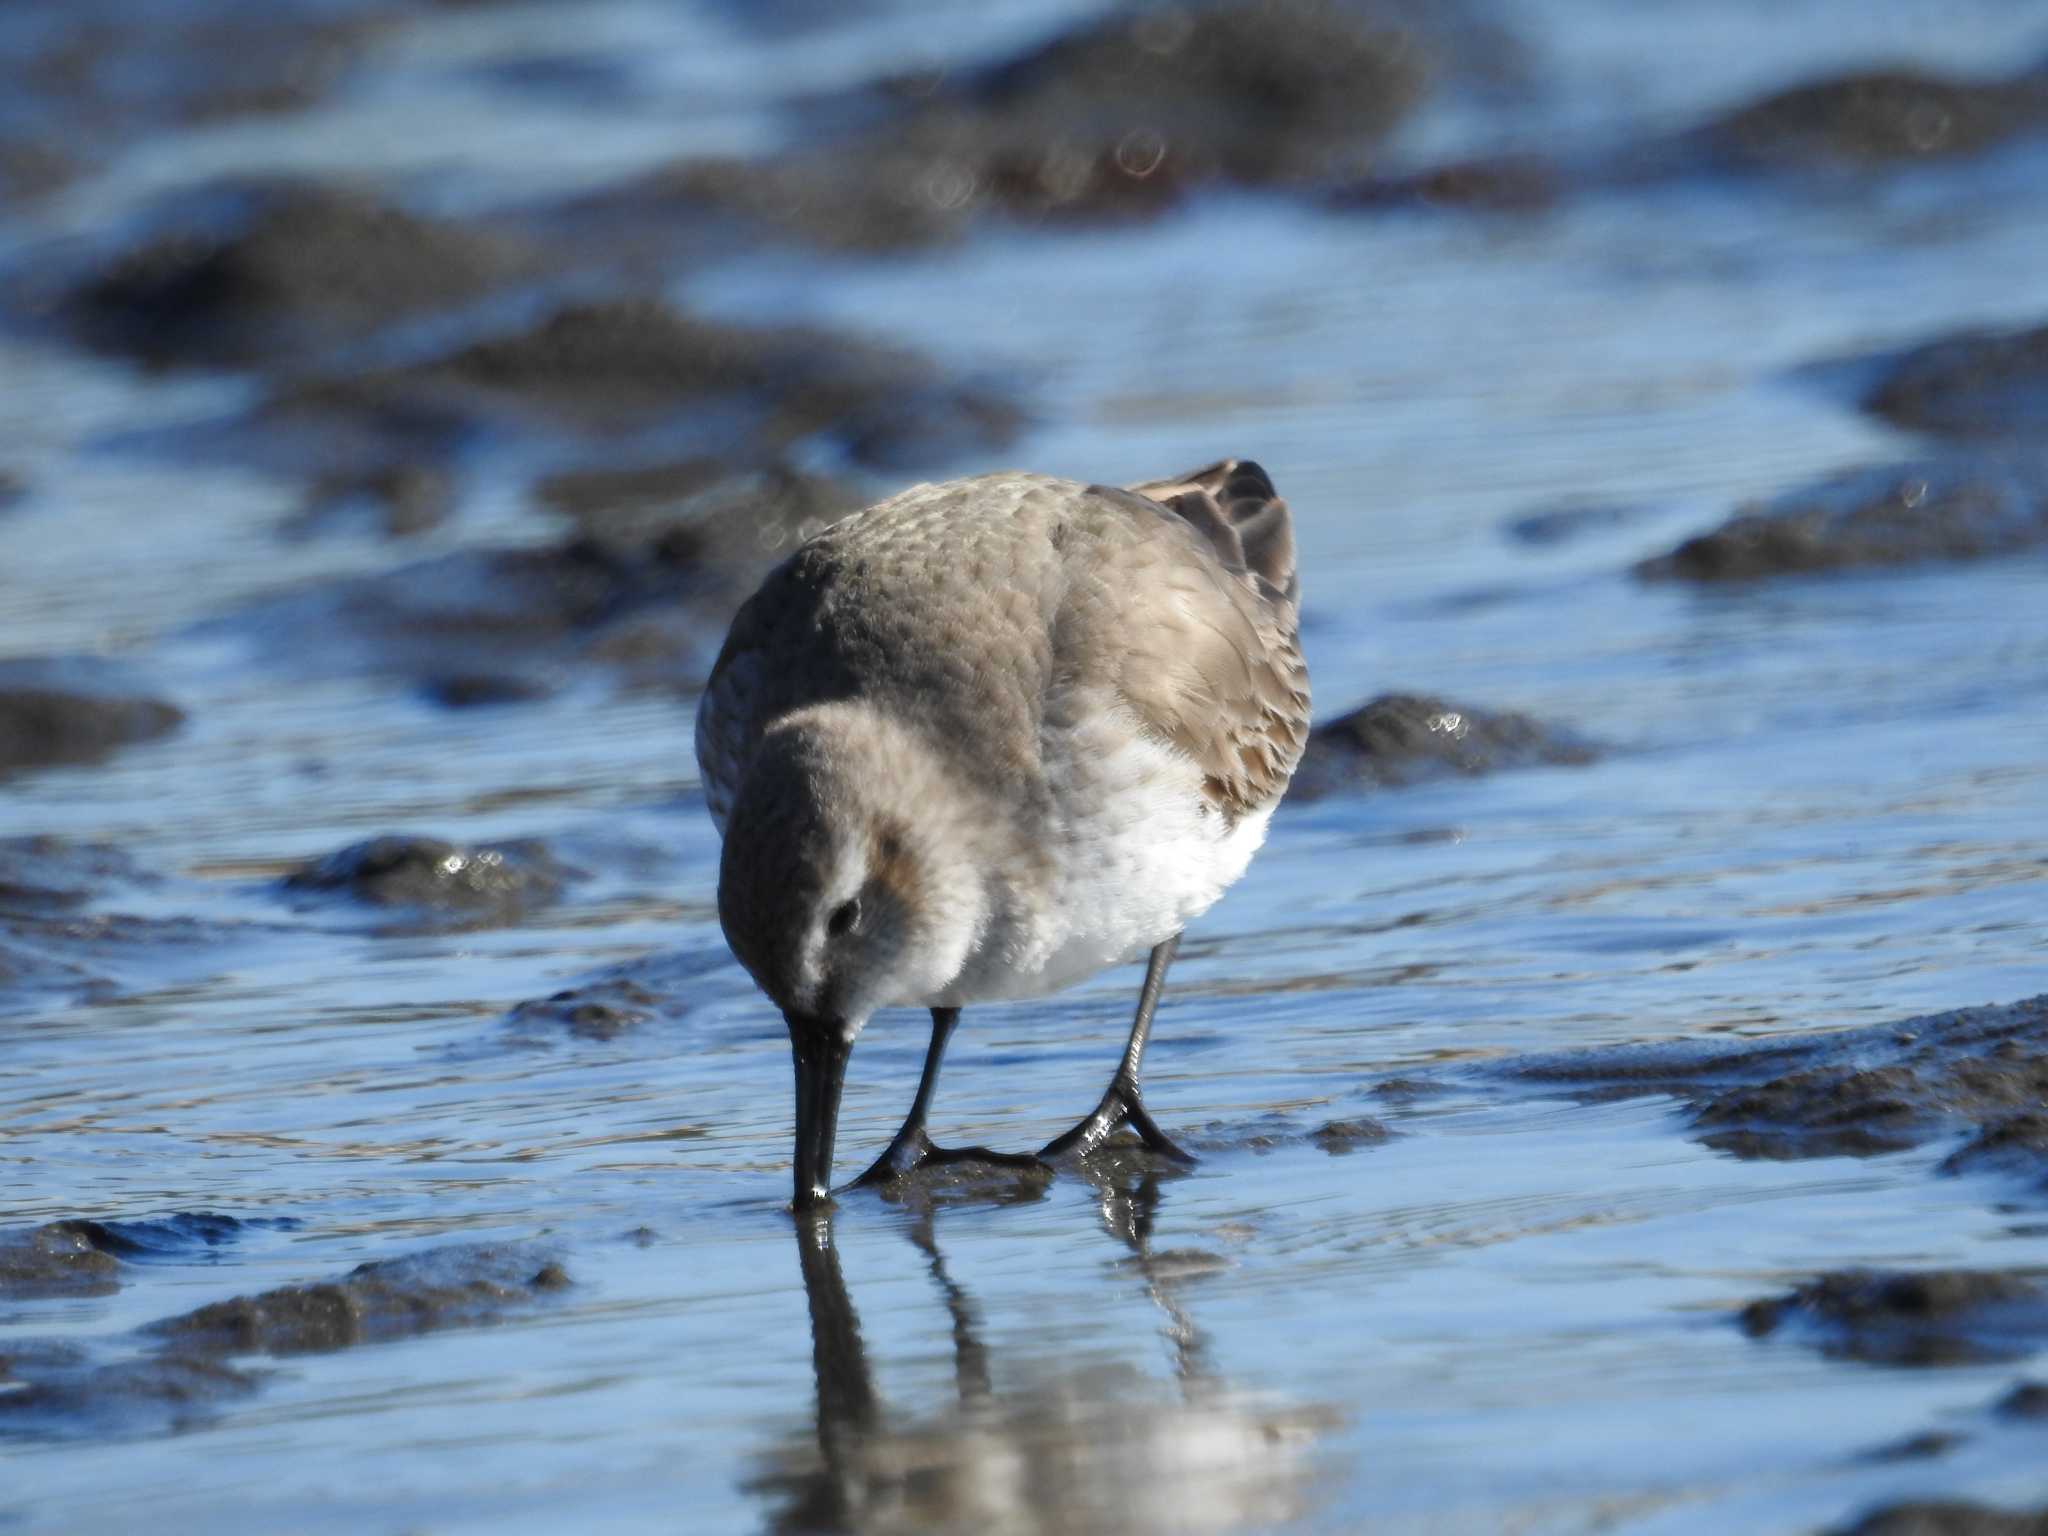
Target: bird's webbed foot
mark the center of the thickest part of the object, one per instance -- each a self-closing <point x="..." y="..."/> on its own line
<point x="913" y="1150"/>
<point x="1121" y="1105"/>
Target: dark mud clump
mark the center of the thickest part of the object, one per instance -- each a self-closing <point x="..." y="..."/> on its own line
<point x="309" y="267"/>
<point x="1569" y="521"/>
<point x="56" y="1388"/>
<point x="43" y="875"/>
<point x="657" y="989"/>
<point x="51" y="946"/>
<point x="53" y="1390"/>
<point x="1117" y="119"/>
<point x="1339" y="1138"/>
<point x="396" y="500"/>
<point x="1979" y="384"/>
<point x="1879" y="119"/>
<point x="703" y="511"/>
<point x="1940" y="509"/>
<point x="660" y="557"/>
<point x="1964" y="1067"/>
<point x="1857" y="1092"/>
<point x="620" y="367"/>
<point x="100" y="956"/>
<point x="2028" y="1400"/>
<point x="433" y="879"/>
<point x="79" y="1257"/>
<point x="1946" y="1517"/>
<point x="89" y="77"/>
<point x="2016" y="1146"/>
<point x="1925" y="1446"/>
<point x="1512" y="183"/>
<point x="601" y="1010"/>
<point x="55" y="712"/>
<point x="482" y="690"/>
<point x="971" y="1183"/>
<point x="60" y="1258"/>
<point x="32" y="168"/>
<point x="1854" y="125"/>
<point x="1404" y="738"/>
<point x="1273" y="92"/>
<point x="1940" y="1317"/>
<point x="372" y="1303"/>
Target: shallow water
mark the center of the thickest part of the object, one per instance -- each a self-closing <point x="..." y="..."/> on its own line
<point x="1821" y="803"/>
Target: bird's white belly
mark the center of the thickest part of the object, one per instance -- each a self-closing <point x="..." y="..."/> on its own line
<point x="1133" y="854"/>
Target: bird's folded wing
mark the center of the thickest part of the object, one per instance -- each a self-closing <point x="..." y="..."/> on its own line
<point x="1200" y="642"/>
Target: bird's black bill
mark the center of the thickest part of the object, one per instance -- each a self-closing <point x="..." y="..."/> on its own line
<point x="820" y="1047"/>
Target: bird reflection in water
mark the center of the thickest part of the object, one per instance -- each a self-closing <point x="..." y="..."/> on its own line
<point x="1073" y="1451"/>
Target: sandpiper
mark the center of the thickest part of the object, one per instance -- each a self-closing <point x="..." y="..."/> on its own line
<point x="985" y="739"/>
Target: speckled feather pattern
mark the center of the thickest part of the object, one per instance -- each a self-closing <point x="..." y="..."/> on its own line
<point x="1111" y="679"/>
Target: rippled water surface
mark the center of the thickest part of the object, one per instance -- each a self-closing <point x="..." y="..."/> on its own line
<point x="1816" y="803"/>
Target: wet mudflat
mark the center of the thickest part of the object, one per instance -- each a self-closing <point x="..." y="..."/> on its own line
<point x="1619" y="1083"/>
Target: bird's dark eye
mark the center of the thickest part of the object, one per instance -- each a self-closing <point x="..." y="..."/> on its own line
<point x="844" y="919"/>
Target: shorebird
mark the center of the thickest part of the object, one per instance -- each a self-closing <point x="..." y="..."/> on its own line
<point x="985" y="739"/>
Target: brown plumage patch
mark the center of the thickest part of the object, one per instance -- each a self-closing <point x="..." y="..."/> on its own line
<point x="893" y="866"/>
<point x="1229" y="686"/>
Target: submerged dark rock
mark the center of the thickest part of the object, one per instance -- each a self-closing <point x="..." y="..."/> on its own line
<point x="1937" y="509"/>
<point x="661" y="557"/>
<point x="81" y="1257"/>
<point x="1403" y="738"/>
<point x="1936" y="1317"/>
<point x="1254" y="92"/>
<point x="1977" y="384"/>
<point x="1948" y="1517"/>
<point x="652" y="991"/>
<point x="1342" y="1137"/>
<point x="44" y="876"/>
<point x="100" y="75"/>
<point x="72" y="710"/>
<point x="1879" y="118"/>
<point x="2014" y="1145"/>
<point x="1511" y="183"/>
<point x="701" y="510"/>
<point x="44" y="727"/>
<point x="1855" y="1092"/>
<point x="620" y="367"/>
<point x="60" y="1388"/>
<point x="54" y="945"/>
<point x="453" y="1287"/>
<point x="32" y="168"/>
<point x="1925" y="1446"/>
<point x="308" y="266"/>
<point x="601" y="1010"/>
<point x="1563" y="523"/>
<point x="482" y="690"/>
<point x="2028" y="1400"/>
<point x="56" y="1392"/>
<point x="101" y="956"/>
<point x="399" y="500"/>
<point x="1850" y="126"/>
<point x="496" y="882"/>
<point x="60" y="1258"/>
<point x="1117" y="118"/>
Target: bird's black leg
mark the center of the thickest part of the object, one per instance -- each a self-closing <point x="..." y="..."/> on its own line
<point x="912" y="1148"/>
<point x="1121" y="1104"/>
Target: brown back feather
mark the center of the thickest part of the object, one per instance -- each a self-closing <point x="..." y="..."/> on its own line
<point x="1227" y="684"/>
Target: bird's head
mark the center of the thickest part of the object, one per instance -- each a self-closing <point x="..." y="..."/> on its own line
<point x="848" y="883"/>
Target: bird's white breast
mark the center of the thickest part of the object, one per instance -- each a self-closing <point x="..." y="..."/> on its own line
<point x="1132" y="853"/>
